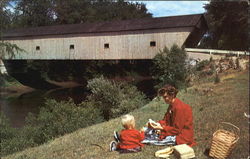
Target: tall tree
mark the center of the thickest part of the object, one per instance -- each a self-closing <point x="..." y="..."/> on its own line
<point x="78" y="11"/>
<point x="228" y="27"/>
<point x="32" y="13"/>
<point x="71" y="12"/>
<point x="5" y="14"/>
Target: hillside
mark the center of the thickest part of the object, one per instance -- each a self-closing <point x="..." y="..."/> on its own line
<point x="211" y="103"/>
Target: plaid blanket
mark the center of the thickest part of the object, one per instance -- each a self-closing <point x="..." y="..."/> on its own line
<point x="152" y="137"/>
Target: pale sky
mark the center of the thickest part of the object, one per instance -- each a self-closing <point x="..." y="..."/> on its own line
<point x="170" y="8"/>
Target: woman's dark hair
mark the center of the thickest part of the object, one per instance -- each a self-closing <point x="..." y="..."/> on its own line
<point x="170" y="90"/>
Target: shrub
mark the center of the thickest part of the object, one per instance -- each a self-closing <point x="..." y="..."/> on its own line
<point x="59" y="118"/>
<point x="170" y="67"/>
<point x="114" y="98"/>
<point x="6" y="131"/>
<point x="11" y="138"/>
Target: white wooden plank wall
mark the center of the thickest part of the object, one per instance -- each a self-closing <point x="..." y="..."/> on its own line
<point x="130" y="46"/>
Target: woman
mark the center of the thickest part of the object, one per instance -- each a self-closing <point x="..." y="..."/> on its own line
<point x="178" y="120"/>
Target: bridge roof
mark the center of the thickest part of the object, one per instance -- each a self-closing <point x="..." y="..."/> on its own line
<point x="108" y="26"/>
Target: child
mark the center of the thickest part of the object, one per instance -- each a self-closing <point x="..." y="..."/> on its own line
<point x="129" y="139"/>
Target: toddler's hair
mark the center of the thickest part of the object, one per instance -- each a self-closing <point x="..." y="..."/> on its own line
<point x="128" y="121"/>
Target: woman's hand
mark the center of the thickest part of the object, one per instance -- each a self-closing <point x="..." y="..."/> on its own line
<point x="156" y="126"/>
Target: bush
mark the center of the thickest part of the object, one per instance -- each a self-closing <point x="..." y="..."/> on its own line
<point x="11" y="138"/>
<point x="6" y="131"/>
<point x="59" y="118"/>
<point x="114" y="99"/>
<point x="170" y="67"/>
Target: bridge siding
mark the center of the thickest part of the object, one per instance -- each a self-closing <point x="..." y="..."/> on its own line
<point x="135" y="45"/>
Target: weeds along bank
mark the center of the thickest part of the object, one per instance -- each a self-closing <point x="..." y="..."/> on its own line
<point x="227" y="100"/>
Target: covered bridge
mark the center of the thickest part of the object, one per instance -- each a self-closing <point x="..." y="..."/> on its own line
<point x="114" y="40"/>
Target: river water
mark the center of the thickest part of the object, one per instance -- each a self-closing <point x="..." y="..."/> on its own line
<point x="17" y="107"/>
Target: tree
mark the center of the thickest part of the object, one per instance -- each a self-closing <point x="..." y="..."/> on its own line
<point x="71" y="12"/>
<point x="5" y="14"/>
<point x="114" y="99"/>
<point x="6" y="19"/>
<point x="32" y="13"/>
<point x="228" y="28"/>
<point x="170" y="67"/>
<point x="78" y="11"/>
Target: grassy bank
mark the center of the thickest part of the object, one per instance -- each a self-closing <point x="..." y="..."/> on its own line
<point x="211" y="103"/>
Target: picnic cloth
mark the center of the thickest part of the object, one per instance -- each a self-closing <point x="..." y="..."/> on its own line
<point x="152" y="137"/>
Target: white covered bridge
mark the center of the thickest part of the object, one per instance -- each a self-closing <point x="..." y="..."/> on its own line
<point x="115" y="40"/>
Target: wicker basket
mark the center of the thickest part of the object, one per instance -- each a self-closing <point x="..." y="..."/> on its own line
<point x="224" y="141"/>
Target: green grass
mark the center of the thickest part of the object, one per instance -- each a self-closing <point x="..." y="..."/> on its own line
<point x="227" y="101"/>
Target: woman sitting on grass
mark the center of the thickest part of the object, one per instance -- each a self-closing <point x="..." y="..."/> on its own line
<point x="129" y="139"/>
<point x="178" y="120"/>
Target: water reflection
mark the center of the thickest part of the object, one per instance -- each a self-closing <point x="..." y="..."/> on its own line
<point x="16" y="108"/>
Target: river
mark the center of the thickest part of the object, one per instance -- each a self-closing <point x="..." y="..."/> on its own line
<point x="16" y="107"/>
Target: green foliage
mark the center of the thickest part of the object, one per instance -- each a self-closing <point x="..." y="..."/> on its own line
<point x="47" y="12"/>
<point x="6" y="132"/>
<point x="6" y="80"/>
<point x="59" y="118"/>
<point x="8" y="49"/>
<point x="170" y="67"/>
<point x="33" y="13"/>
<point x="114" y="99"/>
<point x="228" y="27"/>
<point x="54" y="119"/>
<point x="11" y="140"/>
<point x="77" y="11"/>
<point x="5" y="14"/>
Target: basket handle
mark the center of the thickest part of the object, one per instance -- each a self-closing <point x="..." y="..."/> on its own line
<point x="238" y="129"/>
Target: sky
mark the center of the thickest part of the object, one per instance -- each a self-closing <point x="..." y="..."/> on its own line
<point x="170" y="8"/>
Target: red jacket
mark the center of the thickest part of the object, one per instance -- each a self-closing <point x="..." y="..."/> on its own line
<point x="178" y="121"/>
<point x="130" y="138"/>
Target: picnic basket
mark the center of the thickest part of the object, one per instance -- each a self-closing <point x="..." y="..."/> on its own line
<point x="224" y="140"/>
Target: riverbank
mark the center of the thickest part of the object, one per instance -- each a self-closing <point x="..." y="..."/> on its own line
<point x="14" y="90"/>
<point x="225" y="101"/>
